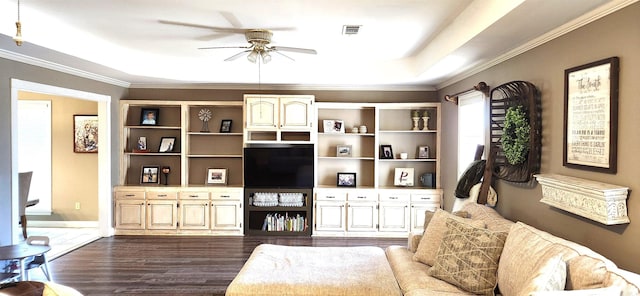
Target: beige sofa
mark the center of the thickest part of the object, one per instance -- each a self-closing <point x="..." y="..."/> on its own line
<point x="530" y="262"/>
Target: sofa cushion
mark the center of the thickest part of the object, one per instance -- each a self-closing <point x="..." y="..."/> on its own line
<point x="430" y="242"/>
<point x="413" y="277"/>
<point x="428" y="215"/>
<point x="549" y="274"/>
<point x="585" y="272"/>
<point x="525" y="244"/>
<point x="468" y="257"/>
<point x="628" y="282"/>
<point x="492" y="219"/>
<point x="610" y="291"/>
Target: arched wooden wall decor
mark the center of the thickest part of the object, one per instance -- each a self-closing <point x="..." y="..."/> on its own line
<point x="503" y="97"/>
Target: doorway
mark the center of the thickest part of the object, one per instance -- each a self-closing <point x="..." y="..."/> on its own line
<point x="104" y="154"/>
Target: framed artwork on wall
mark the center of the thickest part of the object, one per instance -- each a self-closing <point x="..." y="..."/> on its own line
<point x="85" y="133"/>
<point x="591" y="116"/>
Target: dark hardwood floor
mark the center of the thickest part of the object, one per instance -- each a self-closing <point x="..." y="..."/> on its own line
<point x="173" y="265"/>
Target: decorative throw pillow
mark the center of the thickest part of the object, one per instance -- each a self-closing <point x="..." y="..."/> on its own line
<point x="550" y="274"/>
<point x="428" y="215"/>
<point x="468" y="257"/>
<point x="430" y="242"/>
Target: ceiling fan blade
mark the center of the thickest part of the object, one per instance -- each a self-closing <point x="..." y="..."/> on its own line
<point x="236" y="56"/>
<point x="219" y="29"/>
<point x="284" y="55"/>
<point x="214" y="36"/>
<point x="219" y="47"/>
<point x="295" y="49"/>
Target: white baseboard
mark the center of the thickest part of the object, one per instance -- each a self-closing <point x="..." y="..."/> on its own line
<point x="63" y="224"/>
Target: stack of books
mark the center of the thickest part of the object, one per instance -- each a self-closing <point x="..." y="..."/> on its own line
<point x="280" y="222"/>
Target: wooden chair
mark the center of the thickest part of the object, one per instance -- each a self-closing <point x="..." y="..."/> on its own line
<point x="40" y="260"/>
<point x="24" y="180"/>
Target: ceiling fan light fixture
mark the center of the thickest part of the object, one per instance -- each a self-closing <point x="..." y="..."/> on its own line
<point x="253" y="56"/>
<point x="266" y="57"/>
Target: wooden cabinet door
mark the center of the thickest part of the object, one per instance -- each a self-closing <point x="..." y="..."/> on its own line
<point x="162" y="214"/>
<point x="362" y="216"/>
<point x="417" y="214"/>
<point x="262" y="112"/>
<point x="226" y="215"/>
<point x="329" y="216"/>
<point x="394" y="216"/>
<point x="194" y="214"/>
<point x="295" y="113"/>
<point x="130" y="214"/>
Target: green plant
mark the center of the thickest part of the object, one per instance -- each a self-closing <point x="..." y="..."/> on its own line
<point x="515" y="135"/>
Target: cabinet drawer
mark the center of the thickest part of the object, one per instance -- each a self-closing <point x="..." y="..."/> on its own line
<point x="426" y="197"/>
<point x="362" y="195"/>
<point x="194" y="195"/>
<point x="162" y="195"/>
<point x="227" y="193"/>
<point x="331" y="195"/>
<point x="391" y="196"/>
<point x="129" y="194"/>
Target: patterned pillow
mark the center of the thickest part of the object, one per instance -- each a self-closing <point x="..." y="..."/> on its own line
<point x="430" y="242"/>
<point x="468" y="257"/>
<point x="549" y="274"/>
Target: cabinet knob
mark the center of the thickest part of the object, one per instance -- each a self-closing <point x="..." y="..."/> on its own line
<point x="361" y="197"/>
<point x="225" y="196"/>
<point x="393" y="197"/>
<point x="129" y="195"/>
<point x="162" y="195"/>
<point x="193" y="195"/>
<point x="331" y="197"/>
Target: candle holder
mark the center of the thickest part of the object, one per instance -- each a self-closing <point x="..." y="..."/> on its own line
<point x="425" y="123"/>
<point x="165" y="171"/>
<point x="416" y="120"/>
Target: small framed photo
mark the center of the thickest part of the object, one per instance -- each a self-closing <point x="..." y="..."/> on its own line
<point x="346" y="180"/>
<point x="343" y="150"/>
<point x="333" y="126"/>
<point x="386" y="152"/>
<point x="216" y="176"/>
<point x="85" y="133"/>
<point x="149" y="116"/>
<point x="167" y="144"/>
<point x="225" y="126"/>
<point x="141" y="145"/>
<point x="423" y="152"/>
<point x="403" y="177"/>
<point x="149" y="174"/>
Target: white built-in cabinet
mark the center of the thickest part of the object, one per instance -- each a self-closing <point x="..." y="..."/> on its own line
<point x="375" y="207"/>
<point x="279" y="118"/>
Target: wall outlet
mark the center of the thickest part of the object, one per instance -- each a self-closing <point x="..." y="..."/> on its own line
<point x="77" y="205"/>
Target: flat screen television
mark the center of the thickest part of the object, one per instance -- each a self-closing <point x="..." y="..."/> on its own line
<point x="278" y="167"/>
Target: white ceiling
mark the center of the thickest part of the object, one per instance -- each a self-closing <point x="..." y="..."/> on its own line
<point x="401" y="43"/>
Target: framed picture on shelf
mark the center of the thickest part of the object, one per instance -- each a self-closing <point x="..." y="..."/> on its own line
<point x="343" y="150"/>
<point x="403" y="177"/>
<point x="225" y="126"/>
<point x="167" y="144"/>
<point x="149" y="116"/>
<point x="85" y="133"/>
<point x="346" y="180"/>
<point x="216" y="176"/>
<point x="141" y="145"/>
<point x="423" y="152"/>
<point x="386" y="152"/>
<point x="149" y="174"/>
<point x="333" y="126"/>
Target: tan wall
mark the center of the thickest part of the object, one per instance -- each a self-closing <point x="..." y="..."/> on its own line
<point x="615" y="35"/>
<point x="74" y="175"/>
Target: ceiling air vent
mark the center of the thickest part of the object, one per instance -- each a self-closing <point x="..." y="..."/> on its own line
<point x="350" y="29"/>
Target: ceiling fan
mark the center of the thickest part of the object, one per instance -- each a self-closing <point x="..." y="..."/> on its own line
<point x="260" y="48"/>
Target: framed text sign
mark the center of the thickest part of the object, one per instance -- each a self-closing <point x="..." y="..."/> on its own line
<point x="591" y="116"/>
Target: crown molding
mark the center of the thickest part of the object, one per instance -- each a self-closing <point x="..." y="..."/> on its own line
<point x="579" y="22"/>
<point x="9" y="55"/>
<point x="381" y="87"/>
